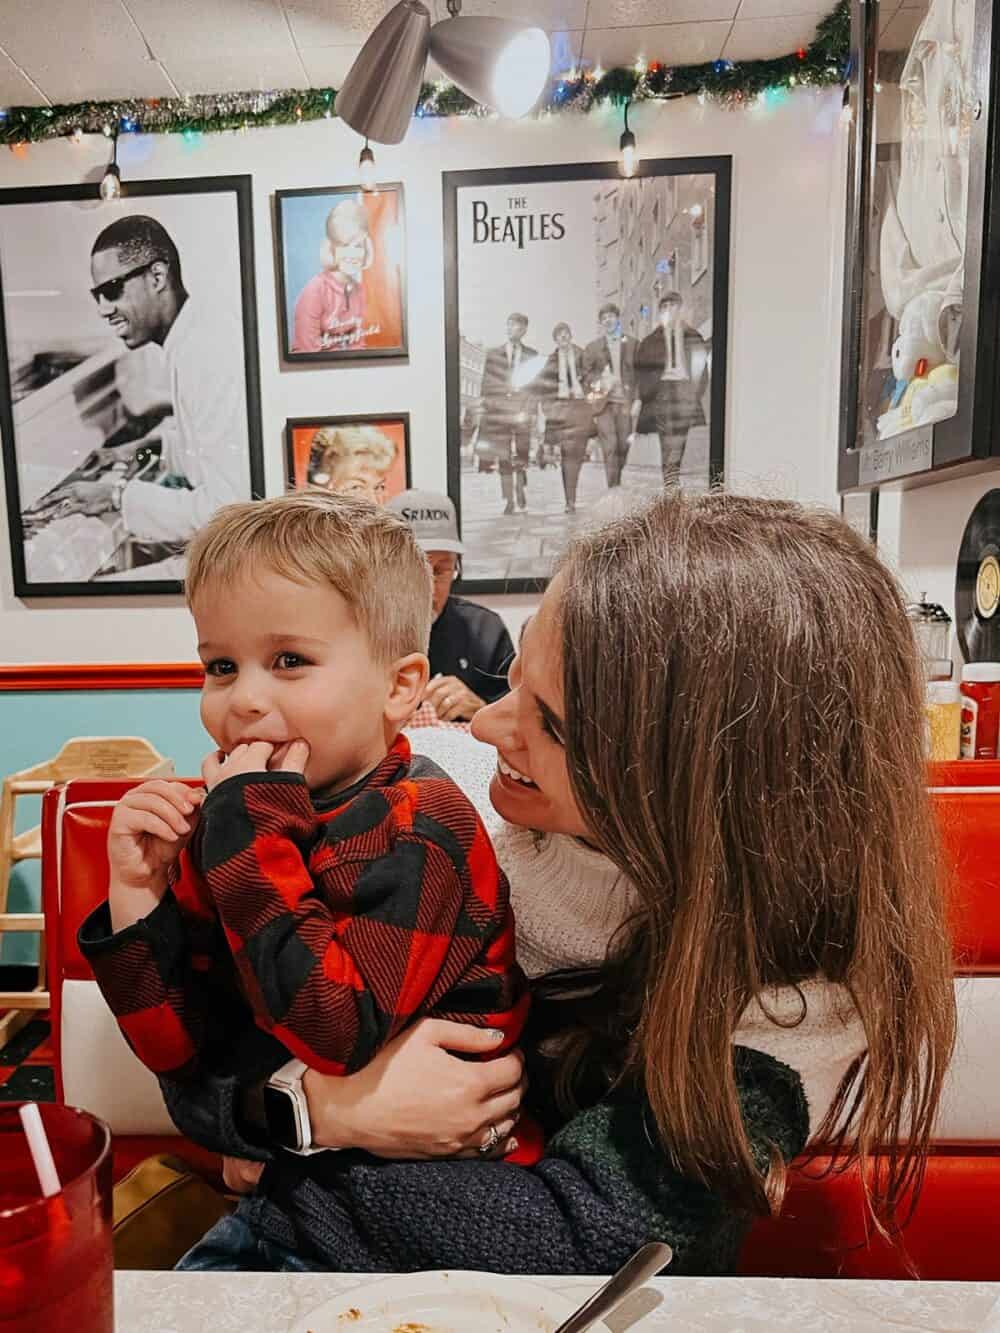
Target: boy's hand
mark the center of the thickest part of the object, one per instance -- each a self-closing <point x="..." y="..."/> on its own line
<point x="241" y="1176"/>
<point x="254" y="757"/>
<point x="150" y="827"/>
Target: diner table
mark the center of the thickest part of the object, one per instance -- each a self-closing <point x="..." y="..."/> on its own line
<point x="276" y="1302"/>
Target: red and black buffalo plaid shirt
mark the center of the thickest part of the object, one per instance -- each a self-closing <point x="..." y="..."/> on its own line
<point x="346" y="919"/>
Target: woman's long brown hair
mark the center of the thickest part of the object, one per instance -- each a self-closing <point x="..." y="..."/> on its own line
<point x="744" y="730"/>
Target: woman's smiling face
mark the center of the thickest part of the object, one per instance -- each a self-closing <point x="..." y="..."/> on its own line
<point x="531" y="786"/>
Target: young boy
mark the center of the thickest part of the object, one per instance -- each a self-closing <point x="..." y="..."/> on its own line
<point x="326" y="883"/>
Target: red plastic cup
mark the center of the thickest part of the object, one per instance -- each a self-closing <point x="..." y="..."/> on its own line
<point x="56" y="1261"/>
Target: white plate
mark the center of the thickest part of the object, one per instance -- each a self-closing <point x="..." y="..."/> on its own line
<point x="448" y="1302"/>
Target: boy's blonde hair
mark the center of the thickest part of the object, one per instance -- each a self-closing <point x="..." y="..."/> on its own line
<point x="366" y="554"/>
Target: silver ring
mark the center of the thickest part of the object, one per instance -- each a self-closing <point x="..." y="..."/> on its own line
<point x="492" y="1139"/>
<point x="446" y="701"/>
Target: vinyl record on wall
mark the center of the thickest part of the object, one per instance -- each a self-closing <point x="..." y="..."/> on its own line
<point x="977" y="583"/>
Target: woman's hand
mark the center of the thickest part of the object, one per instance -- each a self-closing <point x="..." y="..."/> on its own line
<point x="418" y="1100"/>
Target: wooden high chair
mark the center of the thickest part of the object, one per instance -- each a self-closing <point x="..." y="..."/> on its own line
<point x="81" y="757"/>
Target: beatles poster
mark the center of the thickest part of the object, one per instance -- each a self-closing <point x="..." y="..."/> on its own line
<point x="586" y="343"/>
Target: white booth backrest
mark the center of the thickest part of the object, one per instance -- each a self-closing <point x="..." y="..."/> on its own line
<point x="101" y="1074"/>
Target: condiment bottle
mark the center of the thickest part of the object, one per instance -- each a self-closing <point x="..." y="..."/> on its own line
<point x="980" y="709"/>
<point x="944" y="720"/>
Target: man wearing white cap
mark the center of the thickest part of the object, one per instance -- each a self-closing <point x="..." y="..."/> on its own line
<point x="470" y="649"/>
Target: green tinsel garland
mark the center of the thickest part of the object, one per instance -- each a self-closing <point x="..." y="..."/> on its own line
<point x="823" y="64"/>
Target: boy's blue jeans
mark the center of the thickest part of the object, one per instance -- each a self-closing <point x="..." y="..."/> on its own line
<point x="248" y="1242"/>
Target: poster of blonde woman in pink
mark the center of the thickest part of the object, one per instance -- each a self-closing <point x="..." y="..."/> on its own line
<point x="342" y="273"/>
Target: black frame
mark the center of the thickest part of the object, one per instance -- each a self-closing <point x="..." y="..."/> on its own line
<point x="967" y="442"/>
<point x="721" y="168"/>
<point x="400" y="353"/>
<point x="345" y="419"/>
<point x="242" y="188"/>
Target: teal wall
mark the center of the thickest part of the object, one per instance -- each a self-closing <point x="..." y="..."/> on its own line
<point x="33" y="727"/>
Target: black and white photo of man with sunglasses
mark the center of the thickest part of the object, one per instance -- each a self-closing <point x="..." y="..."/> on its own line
<point x="138" y="288"/>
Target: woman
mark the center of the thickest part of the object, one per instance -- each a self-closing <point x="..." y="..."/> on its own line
<point x="569" y="414"/>
<point x="331" y="311"/>
<point x="351" y="460"/>
<point x="710" y="771"/>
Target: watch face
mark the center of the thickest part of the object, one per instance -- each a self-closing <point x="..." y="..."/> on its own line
<point x="282" y="1125"/>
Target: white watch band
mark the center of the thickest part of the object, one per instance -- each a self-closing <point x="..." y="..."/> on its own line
<point x="288" y="1080"/>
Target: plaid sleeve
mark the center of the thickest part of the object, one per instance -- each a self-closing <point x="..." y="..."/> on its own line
<point x="170" y="999"/>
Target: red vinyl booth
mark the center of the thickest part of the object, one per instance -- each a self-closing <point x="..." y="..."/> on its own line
<point x="955" y="1232"/>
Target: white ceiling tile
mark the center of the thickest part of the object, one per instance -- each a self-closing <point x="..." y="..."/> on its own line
<point x="650" y="13"/>
<point x="765" y="9"/>
<point x="763" y="39"/>
<point x="328" y="66"/>
<point x="886" y="13"/>
<point x="901" y="31"/>
<point x="669" y="43"/>
<point x="15" y="89"/>
<point x="79" y="51"/>
<point x="548" y="14"/>
<point x="922" y="5"/>
<point x="217" y="26"/>
<point x="207" y="71"/>
<point x="334" y="22"/>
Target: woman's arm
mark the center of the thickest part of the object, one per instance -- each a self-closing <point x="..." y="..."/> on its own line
<point x="415" y="1100"/>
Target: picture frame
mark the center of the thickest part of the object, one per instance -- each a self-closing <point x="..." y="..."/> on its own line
<point x="341" y="268"/>
<point x="359" y="454"/>
<point x="919" y="373"/>
<point x="859" y="510"/>
<point x="538" y="438"/>
<point x="129" y="378"/>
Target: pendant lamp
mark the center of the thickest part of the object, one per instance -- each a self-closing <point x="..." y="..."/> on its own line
<point x="380" y="93"/>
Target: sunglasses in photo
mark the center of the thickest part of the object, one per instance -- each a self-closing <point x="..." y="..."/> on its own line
<point x="113" y="288"/>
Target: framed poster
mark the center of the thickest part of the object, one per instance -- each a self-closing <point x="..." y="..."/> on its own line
<point x="586" y="353"/>
<point x="129" y="383"/>
<point x="350" y="455"/>
<point x="921" y="303"/>
<point x="341" y="266"/>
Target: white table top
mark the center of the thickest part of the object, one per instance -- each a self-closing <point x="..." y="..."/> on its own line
<point x="273" y="1302"/>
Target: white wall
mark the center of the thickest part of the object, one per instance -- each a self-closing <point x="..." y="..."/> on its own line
<point x="785" y="298"/>
<point x="922" y="532"/>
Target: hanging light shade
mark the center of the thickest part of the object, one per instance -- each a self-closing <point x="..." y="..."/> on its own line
<point x="380" y="93"/>
<point x="497" y="62"/>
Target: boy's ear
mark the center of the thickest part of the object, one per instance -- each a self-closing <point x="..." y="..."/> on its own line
<point x="408" y="681"/>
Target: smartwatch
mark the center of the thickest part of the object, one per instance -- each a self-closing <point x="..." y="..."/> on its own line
<point x="286" y="1110"/>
